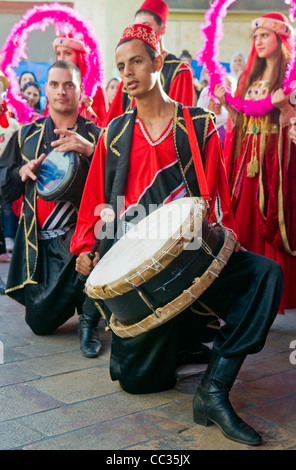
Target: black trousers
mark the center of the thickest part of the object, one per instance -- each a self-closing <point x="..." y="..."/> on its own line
<point x="59" y="291"/>
<point x="246" y="296"/>
<point x="2" y="241"/>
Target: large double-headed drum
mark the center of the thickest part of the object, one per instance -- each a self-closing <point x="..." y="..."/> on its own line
<point x="160" y="266"/>
<point x="61" y="177"/>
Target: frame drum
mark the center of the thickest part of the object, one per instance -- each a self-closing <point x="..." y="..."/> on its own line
<point x="61" y="177"/>
<point x="160" y="267"/>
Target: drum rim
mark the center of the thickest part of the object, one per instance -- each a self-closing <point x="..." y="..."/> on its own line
<point x="187" y="298"/>
<point x="58" y="192"/>
<point x="147" y="270"/>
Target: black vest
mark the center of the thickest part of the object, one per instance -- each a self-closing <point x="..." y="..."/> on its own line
<point x="170" y="70"/>
<point x="118" y="139"/>
<point x="34" y="139"/>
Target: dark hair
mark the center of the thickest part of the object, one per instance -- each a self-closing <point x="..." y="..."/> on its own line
<point x="185" y="53"/>
<point x="281" y="61"/>
<point x="158" y="20"/>
<point x="65" y="65"/>
<point x="114" y="79"/>
<point x="24" y="73"/>
<point x="151" y="51"/>
<point x="35" y="85"/>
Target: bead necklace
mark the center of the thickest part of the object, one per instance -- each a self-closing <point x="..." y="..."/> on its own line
<point x="147" y="137"/>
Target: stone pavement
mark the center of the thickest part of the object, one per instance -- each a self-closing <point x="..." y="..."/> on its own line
<point x="52" y="398"/>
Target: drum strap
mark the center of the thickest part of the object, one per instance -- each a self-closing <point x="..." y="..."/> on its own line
<point x="197" y="160"/>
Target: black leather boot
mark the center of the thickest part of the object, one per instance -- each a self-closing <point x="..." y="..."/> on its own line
<point x="211" y="401"/>
<point x="90" y="345"/>
<point x="2" y="286"/>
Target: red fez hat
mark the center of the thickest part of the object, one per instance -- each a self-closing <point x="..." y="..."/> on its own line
<point x="142" y="32"/>
<point x="158" y="7"/>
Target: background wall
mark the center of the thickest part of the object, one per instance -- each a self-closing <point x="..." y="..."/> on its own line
<point x="243" y="5"/>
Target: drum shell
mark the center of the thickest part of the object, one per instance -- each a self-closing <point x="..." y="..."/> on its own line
<point x="72" y="186"/>
<point x="130" y="308"/>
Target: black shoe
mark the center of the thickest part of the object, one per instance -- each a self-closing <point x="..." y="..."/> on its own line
<point x="211" y="401"/>
<point x="90" y="345"/>
<point x="2" y="286"/>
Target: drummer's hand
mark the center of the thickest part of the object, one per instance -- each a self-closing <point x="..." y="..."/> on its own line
<point x="238" y="247"/>
<point x="84" y="265"/>
<point x="71" y="141"/>
<point x="30" y="169"/>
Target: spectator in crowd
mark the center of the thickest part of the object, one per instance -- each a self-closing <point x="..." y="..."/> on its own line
<point x="111" y="88"/>
<point x="32" y="92"/>
<point x="8" y="219"/>
<point x="237" y="64"/>
<point x="26" y="77"/>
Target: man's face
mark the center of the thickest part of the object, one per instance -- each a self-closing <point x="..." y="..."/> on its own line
<point x="137" y="69"/>
<point x="147" y="19"/>
<point x="63" y="90"/>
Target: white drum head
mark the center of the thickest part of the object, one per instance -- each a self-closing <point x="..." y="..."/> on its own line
<point x="147" y="241"/>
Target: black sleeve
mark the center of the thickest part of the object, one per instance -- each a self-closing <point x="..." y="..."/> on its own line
<point x="11" y="186"/>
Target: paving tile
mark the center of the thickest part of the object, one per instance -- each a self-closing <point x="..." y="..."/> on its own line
<point x="60" y="363"/>
<point x="268" y="388"/>
<point x="280" y="412"/>
<point x="12" y="374"/>
<point x="49" y="346"/>
<point x="12" y="323"/>
<point x="10" y="309"/>
<point x="211" y="438"/>
<point x="12" y="341"/>
<point x="197" y="438"/>
<point x="77" y="386"/>
<point x="179" y="410"/>
<point x="274" y="437"/>
<point x="13" y="435"/>
<point x="258" y="366"/>
<point x="189" y="384"/>
<point x="87" y="413"/>
<point x="54" y="398"/>
<point x="21" y="400"/>
<point x="115" y="434"/>
<point x="12" y="355"/>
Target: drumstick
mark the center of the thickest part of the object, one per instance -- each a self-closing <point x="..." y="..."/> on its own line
<point x="107" y="215"/>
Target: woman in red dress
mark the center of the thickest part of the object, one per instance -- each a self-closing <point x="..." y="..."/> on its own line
<point x="261" y="161"/>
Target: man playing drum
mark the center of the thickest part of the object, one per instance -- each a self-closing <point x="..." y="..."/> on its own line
<point x="42" y="274"/>
<point x="145" y="156"/>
